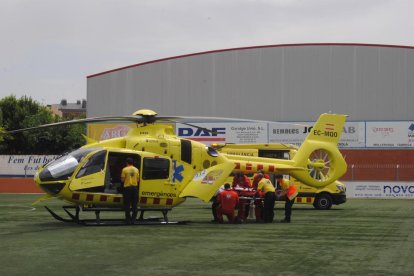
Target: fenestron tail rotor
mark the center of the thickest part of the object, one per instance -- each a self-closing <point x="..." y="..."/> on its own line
<point x="319" y="165"/>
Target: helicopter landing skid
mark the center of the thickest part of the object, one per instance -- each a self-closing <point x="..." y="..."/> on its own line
<point x="74" y="218"/>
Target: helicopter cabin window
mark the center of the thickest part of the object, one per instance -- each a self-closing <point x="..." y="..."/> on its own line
<point x="95" y="163"/>
<point x="63" y="167"/>
<point x="156" y="168"/>
<point x="278" y="154"/>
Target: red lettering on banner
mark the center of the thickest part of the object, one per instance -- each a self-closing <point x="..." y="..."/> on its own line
<point x="169" y="201"/>
<point x="75" y="196"/>
<point x="156" y="201"/>
<point x="103" y="198"/>
<point x="143" y="200"/>
<point x="259" y="167"/>
<point x="89" y="197"/>
<point x="271" y="168"/>
<point x="237" y="166"/>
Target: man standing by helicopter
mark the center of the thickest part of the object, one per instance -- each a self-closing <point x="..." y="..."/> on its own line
<point x="288" y="190"/>
<point x="266" y="187"/>
<point x="130" y="178"/>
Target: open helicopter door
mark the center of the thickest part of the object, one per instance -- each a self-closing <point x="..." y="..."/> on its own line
<point x="207" y="182"/>
<point x="116" y="161"/>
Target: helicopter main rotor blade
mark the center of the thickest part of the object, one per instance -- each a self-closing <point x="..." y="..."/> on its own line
<point x="81" y="121"/>
<point x="185" y="120"/>
<point x="201" y="119"/>
<point x="191" y="125"/>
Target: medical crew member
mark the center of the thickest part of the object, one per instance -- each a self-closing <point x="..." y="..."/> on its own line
<point x="289" y="190"/>
<point x="240" y="180"/>
<point x="215" y="204"/>
<point x="228" y="200"/>
<point x="130" y="178"/>
<point x="266" y="186"/>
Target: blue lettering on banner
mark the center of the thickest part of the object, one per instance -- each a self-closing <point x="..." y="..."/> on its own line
<point x="187" y="132"/>
<point x="399" y="190"/>
<point x="177" y="172"/>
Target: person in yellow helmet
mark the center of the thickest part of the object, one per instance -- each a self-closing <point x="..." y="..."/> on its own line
<point x="288" y="190"/>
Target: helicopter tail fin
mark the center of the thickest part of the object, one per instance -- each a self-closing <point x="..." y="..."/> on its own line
<point x="319" y="152"/>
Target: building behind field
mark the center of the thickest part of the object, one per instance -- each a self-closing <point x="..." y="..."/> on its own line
<point x="374" y="84"/>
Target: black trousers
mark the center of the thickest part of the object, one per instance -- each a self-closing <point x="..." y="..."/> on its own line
<point x="288" y="208"/>
<point x="268" y="208"/>
<point x="130" y="202"/>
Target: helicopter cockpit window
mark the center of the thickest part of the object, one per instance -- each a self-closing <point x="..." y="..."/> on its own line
<point x="63" y="167"/>
<point x="155" y="168"/>
<point x="95" y="163"/>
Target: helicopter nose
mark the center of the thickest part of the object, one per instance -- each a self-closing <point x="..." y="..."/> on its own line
<point x="51" y="188"/>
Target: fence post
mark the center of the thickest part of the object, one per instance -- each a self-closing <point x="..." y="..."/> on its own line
<point x="398" y="172"/>
<point x="352" y="171"/>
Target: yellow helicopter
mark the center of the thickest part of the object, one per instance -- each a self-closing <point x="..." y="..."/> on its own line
<point x="171" y="168"/>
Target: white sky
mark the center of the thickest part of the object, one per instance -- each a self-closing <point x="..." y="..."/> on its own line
<point x="48" y="47"/>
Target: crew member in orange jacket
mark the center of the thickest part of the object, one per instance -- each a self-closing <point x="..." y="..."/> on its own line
<point x="288" y="190"/>
<point x="228" y="200"/>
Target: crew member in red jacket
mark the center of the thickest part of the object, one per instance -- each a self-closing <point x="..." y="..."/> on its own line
<point x="228" y="200"/>
<point x="240" y="180"/>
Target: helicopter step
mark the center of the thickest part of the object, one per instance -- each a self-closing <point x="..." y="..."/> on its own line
<point x="98" y="221"/>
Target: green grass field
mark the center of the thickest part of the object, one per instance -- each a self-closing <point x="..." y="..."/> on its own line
<point x="371" y="237"/>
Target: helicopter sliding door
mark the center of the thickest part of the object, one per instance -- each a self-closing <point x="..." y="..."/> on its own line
<point x="156" y="188"/>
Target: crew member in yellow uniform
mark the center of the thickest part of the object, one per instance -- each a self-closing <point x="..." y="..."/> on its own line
<point x="290" y="192"/>
<point x="130" y="178"/>
<point x="266" y="186"/>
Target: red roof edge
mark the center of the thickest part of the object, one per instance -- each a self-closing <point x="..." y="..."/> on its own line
<point x="247" y="48"/>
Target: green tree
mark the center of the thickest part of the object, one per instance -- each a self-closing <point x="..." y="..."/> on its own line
<point x="25" y="112"/>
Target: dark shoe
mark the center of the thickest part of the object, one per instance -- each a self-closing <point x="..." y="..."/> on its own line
<point x="285" y="221"/>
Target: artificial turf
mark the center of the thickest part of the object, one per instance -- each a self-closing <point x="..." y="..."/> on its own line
<point x="360" y="237"/>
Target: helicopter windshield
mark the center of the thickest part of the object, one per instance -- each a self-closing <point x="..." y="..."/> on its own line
<point x="63" y="167"/>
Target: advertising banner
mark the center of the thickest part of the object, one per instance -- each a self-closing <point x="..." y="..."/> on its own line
<point x="391" y="134"/>
<point x="237" y="132"/>
<point x="353" y="135"/>
<point x="404" y="190"/>
<point x="99" y="132"/>
<point x="22" y="165"/>
<point x="385" y="134"/>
